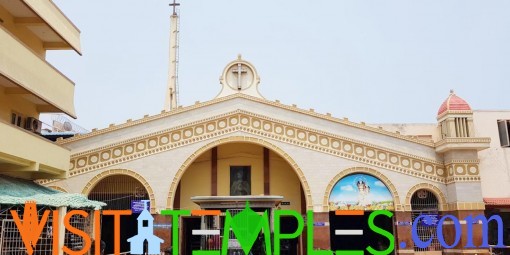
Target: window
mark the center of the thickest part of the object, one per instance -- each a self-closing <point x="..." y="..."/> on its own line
<point x="444" y="129"/>
<point x="461" y="127"/>
<point x="17" y="119"/>
<point x="504" y="130"/>
<point x="145" y="223"/>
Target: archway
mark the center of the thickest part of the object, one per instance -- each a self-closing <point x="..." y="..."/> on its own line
<point x="425" y="202"/>
<point x="351" y="200"/>
<point x="240" y="139"/>
<point x="365" y="170"/>
<point x="442" y="204"/>
<point x="115" y="172"/>
<point x="120" y="191"/>
<point x="238" y="170"/>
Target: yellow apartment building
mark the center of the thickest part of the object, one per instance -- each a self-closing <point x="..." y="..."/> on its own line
<point x="29" y="86"/>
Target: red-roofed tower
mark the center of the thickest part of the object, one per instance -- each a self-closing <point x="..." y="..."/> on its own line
<point x="455" y="117"/>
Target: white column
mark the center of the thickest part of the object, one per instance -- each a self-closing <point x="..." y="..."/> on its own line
<point x="171" y="92"/>
<point x="61" y="229"/>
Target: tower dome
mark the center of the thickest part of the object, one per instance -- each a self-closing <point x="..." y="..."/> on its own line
<point x="453" y="103"/>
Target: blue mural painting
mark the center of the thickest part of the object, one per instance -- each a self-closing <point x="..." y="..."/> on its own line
<point x="360" y="192"/>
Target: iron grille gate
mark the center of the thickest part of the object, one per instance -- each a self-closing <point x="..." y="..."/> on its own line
<point x="234" y="245"/>
<point x="74" y="241"/>
<point x="211" y="242"/>
<point x="118" y="191"/>
<point x="424" y="202"/>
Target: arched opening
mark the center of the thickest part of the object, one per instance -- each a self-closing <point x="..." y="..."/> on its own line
<point x="223" y="177"/>
<point x="351" y="201"/>
<point x="424" y="202"/>
<point x="118" y="191"/>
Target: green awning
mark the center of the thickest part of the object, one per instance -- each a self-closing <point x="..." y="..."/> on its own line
<point x="14" y="191"/>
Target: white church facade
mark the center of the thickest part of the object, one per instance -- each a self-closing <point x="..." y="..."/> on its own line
<point x="240" y="144"/>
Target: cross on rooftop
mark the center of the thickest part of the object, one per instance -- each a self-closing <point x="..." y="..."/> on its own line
<point x="174" y="4"/>
<point x="239" y="70"/>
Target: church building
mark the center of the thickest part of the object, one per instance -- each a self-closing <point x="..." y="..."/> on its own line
<point x="240" y="147"/>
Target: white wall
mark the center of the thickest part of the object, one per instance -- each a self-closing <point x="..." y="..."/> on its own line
<point x="495" y="161"/>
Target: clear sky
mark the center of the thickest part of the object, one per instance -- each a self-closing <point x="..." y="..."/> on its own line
<point x="374" y="61"/>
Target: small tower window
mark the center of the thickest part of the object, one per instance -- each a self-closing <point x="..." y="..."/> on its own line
<point x="461" y="127"/>
<point x="145" y="223"/>
<point x="504" y="131"/>
<point x="444" y="129"/>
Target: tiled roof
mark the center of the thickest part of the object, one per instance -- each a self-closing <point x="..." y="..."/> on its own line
<point x="15" y="191"/>
<point x="497" y="201"/>
<point x="453" y="103"/>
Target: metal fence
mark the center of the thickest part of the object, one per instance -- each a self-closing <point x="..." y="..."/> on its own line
<point x="11" y="242"/>
<point x="74" y="241"/>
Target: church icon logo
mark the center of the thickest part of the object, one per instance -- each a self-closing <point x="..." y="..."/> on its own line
<point x="145" y="242"/>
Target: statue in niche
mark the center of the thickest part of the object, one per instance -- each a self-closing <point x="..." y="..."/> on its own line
<point x="363" y="191"/>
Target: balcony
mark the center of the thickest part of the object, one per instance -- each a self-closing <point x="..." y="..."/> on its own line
<point x="22" y="72"/>
<point x="27" y="155"/>
<point x="57" y="21"/>
<point x="45" y="20"/>
<point x="462" y="143"/>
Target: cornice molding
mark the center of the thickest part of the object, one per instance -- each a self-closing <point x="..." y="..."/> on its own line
<point x="462" y="143"/>
<point x="454" y="112"/>
<point x="258" y="125"/>
<point x="276" y="103"/>
<point x="476" y="140"/>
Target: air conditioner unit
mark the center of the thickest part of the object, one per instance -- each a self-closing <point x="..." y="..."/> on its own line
<point x="33" y="124"/>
